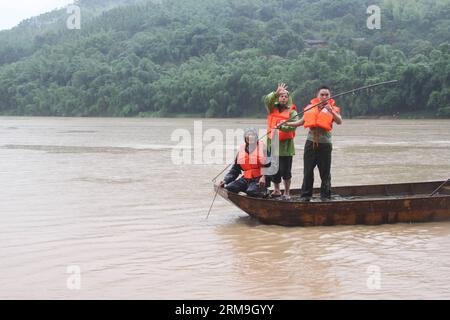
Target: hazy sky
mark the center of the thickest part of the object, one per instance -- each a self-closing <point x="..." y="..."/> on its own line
<point x="14" y="11"/>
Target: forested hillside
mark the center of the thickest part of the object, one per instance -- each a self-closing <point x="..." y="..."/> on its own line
<point x="217" y="58"/>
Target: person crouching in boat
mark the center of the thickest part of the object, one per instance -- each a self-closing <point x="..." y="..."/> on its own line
<point x="280" y="108"/>
<point x="318" y="147"/>
<point x="250" y="160"/>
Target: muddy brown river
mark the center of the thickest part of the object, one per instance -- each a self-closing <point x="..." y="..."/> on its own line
<point x="98" y="208"/>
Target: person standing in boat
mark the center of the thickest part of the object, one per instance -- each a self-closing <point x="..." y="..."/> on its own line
<point x="318" y="145"/>
<point x="280" y="108"/>
<point x="250" y="161"/>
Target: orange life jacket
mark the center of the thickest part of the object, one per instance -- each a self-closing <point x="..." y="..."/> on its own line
<point x="252" y="163"/>
<point x="317" y="117"/>
<point x="275" y="117"/>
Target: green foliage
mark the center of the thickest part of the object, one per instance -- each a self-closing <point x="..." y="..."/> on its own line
<point x="217" y="58"/>
<point x="444" y="112"/>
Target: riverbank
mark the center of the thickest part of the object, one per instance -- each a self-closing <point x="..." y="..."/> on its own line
<point x="191" y="115"/>
<point x="402" y="116"/>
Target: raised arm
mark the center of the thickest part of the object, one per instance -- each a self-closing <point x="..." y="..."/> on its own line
<point x="271" y="98"/>
<point x="269" y="101"/>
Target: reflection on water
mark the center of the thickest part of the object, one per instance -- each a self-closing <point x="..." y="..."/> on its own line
<point x="332" y="262"/>
<point x="102" y="194"/>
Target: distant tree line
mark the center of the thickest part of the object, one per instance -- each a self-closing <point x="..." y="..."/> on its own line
<point x="217" y="58"/>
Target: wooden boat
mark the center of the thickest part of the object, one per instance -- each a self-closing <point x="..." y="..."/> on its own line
<point x="352" y="205"/>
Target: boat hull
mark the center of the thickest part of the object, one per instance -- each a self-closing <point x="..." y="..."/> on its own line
<point x="412" y="205"/>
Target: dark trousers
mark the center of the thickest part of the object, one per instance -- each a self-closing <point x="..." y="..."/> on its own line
<point x="284" y="169"/>
<point x="249" y="186"/>
<point x="319" y="156"/>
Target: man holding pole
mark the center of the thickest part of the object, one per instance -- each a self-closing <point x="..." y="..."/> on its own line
<point x="318" y="117"/>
